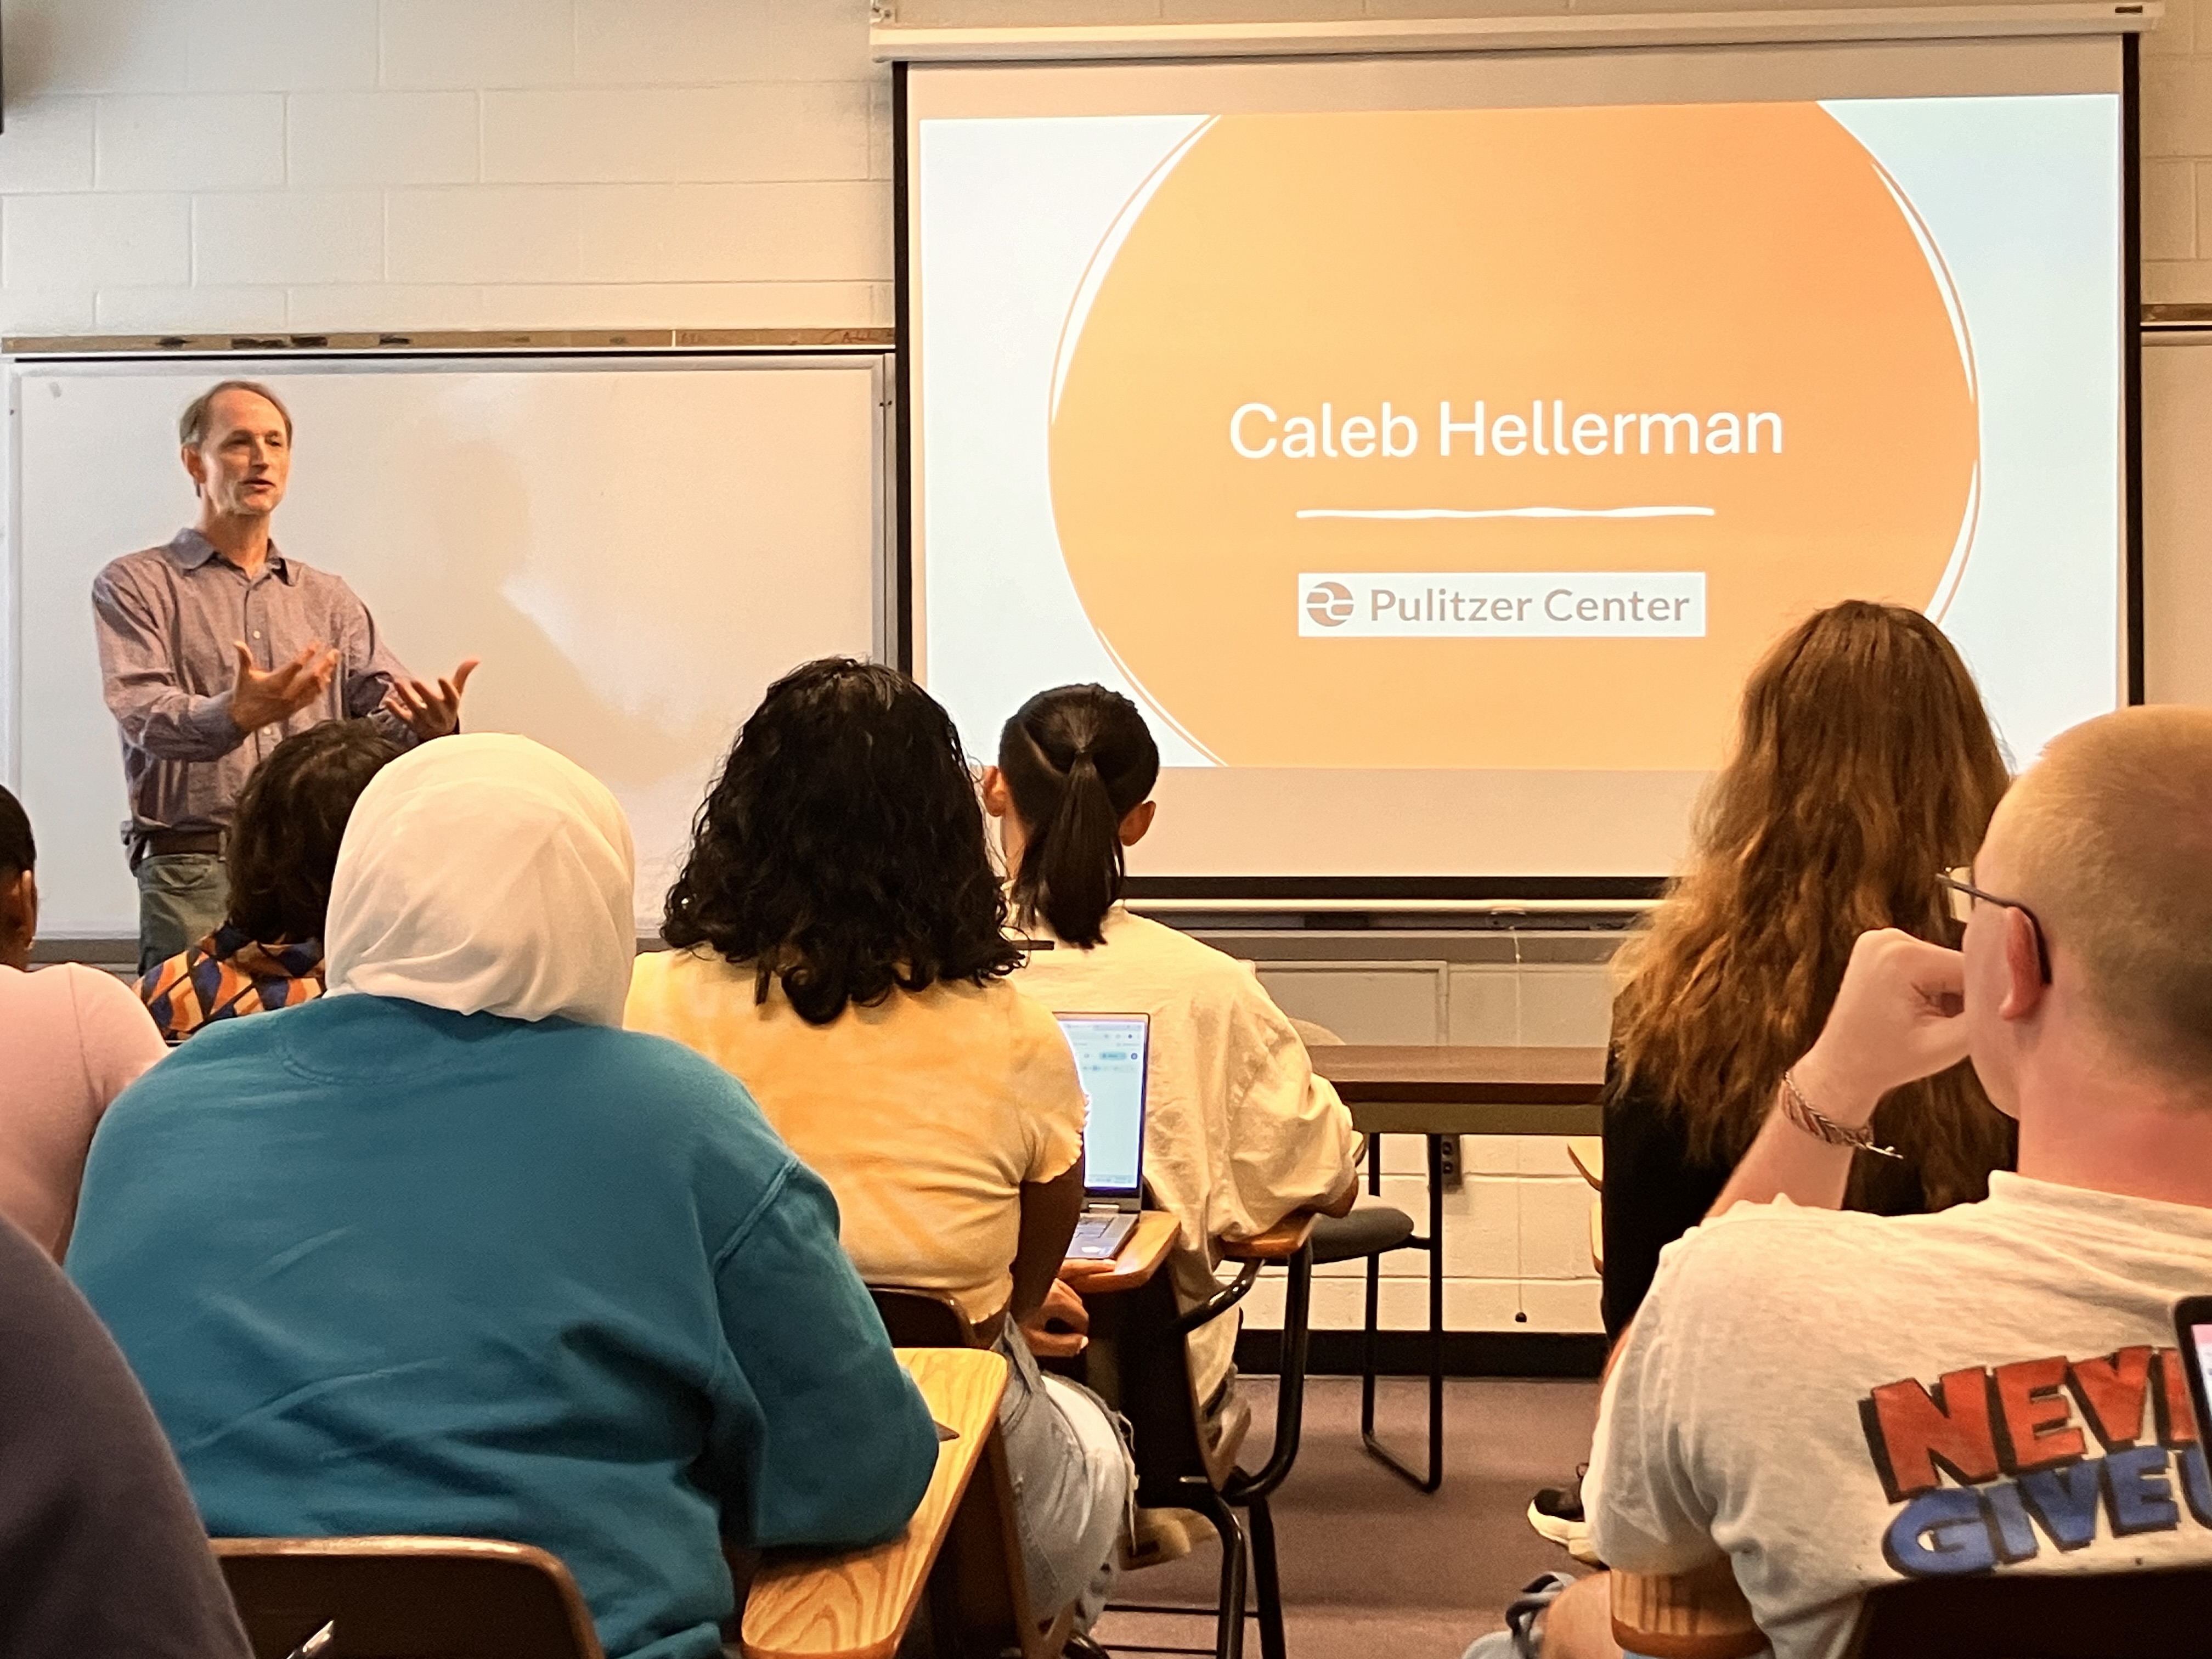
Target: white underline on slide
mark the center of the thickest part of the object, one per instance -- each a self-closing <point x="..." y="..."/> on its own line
<point x="1506" y="512"/>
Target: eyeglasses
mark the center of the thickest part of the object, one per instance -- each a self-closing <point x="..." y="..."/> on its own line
<point x="1962" y="893"/>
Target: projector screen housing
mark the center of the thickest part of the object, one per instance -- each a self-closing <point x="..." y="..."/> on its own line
<point x="1013" y="572"/>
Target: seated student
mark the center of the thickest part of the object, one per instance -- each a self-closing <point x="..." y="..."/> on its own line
<point x="100" y="1550"/>
<point x="444" y="1251"/>
<point x="841" y="946"/>
<point x="1238" y="1131"/>
<point x="1863" y="765"/>
<point x="282" y="848"/>
<point x="1840" y="1401"/>
<point x="71" y="1039"/>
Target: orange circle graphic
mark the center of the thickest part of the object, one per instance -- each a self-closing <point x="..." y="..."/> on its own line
<point x="1576" y="268"/>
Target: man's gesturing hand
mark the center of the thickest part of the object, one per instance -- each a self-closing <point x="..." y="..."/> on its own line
<point x="257" y="698"/>
<point x="431" y="714"/>
<point x="1896" y="1019"/>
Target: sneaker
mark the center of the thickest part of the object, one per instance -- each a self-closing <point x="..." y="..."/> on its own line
<point x="1556" y="1513"/>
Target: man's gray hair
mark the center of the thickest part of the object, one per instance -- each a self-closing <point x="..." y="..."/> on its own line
<point x="192" y="424"/>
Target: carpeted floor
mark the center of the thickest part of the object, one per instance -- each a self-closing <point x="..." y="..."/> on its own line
<point x="1372" y="1569"/>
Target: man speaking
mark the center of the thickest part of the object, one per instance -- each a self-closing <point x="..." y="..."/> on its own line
<point x="216" y="647"/>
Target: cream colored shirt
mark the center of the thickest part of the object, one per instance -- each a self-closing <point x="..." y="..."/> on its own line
<point x="926" y="1113"/>
<point x="1238" y="1131"/>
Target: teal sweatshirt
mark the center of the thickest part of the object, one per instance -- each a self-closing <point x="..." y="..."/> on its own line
<point x="383" y="1268"/>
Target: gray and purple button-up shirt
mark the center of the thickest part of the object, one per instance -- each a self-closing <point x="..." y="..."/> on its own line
<point x="167" y="618"/>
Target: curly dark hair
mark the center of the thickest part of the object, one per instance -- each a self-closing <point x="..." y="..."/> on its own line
<point x="283" y="844"/>
<point x="842" y="851"/>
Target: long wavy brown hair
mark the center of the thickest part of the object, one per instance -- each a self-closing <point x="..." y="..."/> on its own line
<point x="1863" y="764"/>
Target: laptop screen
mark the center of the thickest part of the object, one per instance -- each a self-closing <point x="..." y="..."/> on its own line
<point x="1109" y="1056"/>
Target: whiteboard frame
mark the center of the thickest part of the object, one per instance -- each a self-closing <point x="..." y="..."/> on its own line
<point x="223" y="364"/>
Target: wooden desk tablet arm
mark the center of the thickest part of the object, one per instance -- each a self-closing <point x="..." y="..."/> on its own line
<point x="1279" y="1244"/>
<point x="857" y="1604"/>
<point x="1289" y="1241"/>
<point x="1699" y="1614"/>
<point x="1143" y="1254"/>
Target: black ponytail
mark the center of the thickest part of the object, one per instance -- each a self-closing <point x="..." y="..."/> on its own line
<point x="1076" y="759"/>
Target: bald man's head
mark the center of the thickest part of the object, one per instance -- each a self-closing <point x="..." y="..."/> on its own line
<point x="2108" y="838"/>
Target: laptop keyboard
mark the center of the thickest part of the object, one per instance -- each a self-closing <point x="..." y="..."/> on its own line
<point x="1100" y="1237"/>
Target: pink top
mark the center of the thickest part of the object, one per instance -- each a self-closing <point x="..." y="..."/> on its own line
<point x="71" y="1039"/>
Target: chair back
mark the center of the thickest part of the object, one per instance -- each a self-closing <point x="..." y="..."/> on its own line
<point x="2163" y="1613"/>
<point x="407" y="1598"/>
<point x="922" y="1319"/>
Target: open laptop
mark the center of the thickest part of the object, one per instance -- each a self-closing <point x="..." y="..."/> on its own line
<point x="1112" y="1052"/>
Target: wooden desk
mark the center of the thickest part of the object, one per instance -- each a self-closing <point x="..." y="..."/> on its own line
<point x="1437" y="1090"/>
<point x="1444" y="1090"/>
<point x="855" y="1604"/>
<point x="1142" y="1252"/>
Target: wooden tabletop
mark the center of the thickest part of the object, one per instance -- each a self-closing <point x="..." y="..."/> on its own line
<point x="854" y="1604"/>
<point x="1142" y="1252"/>
<point x="1447" y="1089"/>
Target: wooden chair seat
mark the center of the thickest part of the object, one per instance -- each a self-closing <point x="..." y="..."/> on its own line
<point x="407" y="1598"/>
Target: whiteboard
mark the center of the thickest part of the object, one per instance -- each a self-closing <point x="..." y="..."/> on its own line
<point x="635" y="547"/>
<point x="2177" y="419"/>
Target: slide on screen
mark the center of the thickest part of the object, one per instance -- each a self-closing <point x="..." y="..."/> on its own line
<point x="1502" y="441"/>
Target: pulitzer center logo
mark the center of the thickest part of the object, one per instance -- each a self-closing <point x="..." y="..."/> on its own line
<point x="1329" y="604"/>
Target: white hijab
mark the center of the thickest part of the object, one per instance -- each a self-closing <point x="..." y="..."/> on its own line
<point x="484" y="873"/>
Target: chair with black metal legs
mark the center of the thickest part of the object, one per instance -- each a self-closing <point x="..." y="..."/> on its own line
<point x="1139" y="1358"/>
<point x="1372" y="1231"/>
<point x="979" y="1598"/>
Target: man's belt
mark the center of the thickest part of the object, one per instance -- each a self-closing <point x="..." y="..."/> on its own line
<point x="162" y="843"/>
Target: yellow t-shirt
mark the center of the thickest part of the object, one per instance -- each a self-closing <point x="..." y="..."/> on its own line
<point x="925" y="1114"/>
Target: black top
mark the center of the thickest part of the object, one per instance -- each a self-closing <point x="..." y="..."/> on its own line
<point x="100" y="1550"/>
<point x="1654" y="1191"/>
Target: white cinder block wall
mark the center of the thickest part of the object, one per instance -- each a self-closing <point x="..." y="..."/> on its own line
<point x="2177" y="151"/>
<point x="225" y="166"/>
<point x="216" y="166"/>
<point x="207" y="166"/>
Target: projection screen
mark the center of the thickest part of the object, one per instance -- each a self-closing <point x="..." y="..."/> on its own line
<point x="1432" y="445"/>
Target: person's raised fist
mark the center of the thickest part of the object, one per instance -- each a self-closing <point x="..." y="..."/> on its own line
<point x="1897" y="1018"/>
